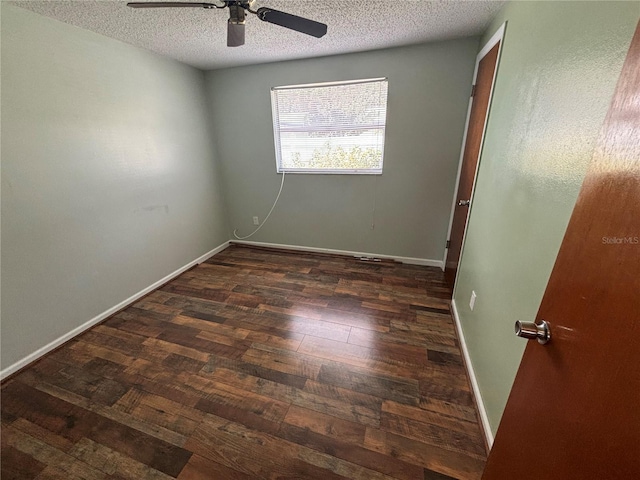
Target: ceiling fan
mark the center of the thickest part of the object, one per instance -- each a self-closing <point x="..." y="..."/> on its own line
<point x="237" y="17"/>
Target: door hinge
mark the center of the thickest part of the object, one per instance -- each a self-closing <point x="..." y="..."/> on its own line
<point x="473" y="90"/>
<point x="448" y="244"/>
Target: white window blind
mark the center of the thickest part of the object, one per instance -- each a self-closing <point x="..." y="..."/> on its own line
<point x="333" y="127"/>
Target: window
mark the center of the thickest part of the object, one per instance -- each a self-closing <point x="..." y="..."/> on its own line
<point x="335" y="127"/>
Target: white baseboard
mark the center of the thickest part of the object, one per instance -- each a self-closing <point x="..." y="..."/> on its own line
<point x="474" y="381"/>
<point x="409" y="260"/>
<point x="107" y="313"/>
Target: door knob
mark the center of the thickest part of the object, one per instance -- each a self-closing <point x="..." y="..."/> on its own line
<point x="464" y="203"/>
<point x="531" y="330"/>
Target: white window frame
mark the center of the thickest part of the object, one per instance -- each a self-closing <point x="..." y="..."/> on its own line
<point x="322" y="171"/>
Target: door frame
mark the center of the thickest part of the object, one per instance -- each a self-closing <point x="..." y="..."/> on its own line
<point x="498" y="36"/>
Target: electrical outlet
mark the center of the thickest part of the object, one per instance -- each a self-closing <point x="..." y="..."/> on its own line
<point x="256" y="221"/>
<point x="472" y="302"/>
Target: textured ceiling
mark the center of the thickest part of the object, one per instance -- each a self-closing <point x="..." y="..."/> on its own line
<point x="198" y="36"/>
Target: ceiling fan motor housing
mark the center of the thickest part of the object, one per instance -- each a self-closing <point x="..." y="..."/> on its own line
<point x="240" y="5"/>
<point x="237" y="15"/>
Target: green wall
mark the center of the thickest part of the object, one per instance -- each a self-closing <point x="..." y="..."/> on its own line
<point x="109" y="178"/>
<point x="559" y="66"/>
<point x="409" y="204"/>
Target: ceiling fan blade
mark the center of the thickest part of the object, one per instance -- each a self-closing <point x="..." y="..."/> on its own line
<point x="171" y="4"/>
<point x="299" y="24"/>
<point x="235" y="34"/>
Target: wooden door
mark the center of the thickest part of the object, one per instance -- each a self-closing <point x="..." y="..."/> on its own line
<point x="481" y="94"/>
<point x="574" y="410"/>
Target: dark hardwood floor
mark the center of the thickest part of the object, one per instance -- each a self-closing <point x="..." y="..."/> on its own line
<point x="256" y="364"/>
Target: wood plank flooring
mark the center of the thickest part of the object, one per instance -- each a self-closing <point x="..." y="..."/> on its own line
<point x="256" y="364"/>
